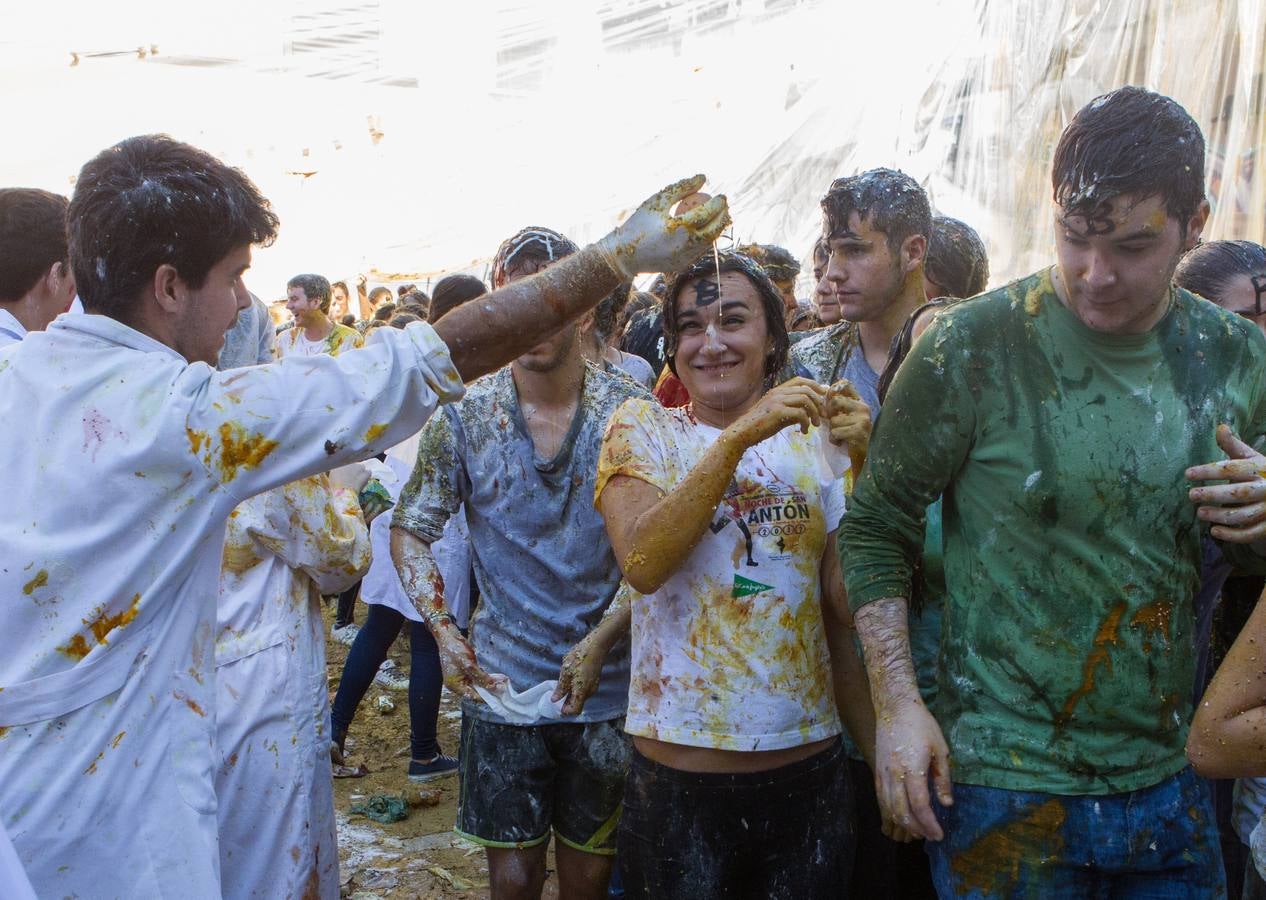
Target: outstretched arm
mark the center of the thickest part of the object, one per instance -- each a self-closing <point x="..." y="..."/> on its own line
<point x="488" y="333"/>
<point x="582" y="666"/>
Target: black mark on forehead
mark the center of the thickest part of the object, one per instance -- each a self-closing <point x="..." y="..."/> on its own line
<point x="1259" y="290"/>
<point x="706" y="292"/>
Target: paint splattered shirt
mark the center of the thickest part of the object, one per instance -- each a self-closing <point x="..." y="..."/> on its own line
<point x="292" y="342"/>
<point x="1072" y="552"/>
<point x="543" y="563"/>
<point x="731" y="653"/>
<point x="829" y="354"/>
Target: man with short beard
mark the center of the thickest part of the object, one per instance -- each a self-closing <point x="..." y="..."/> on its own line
<point x="520" y="451"/>
<point x="876" y="228"/>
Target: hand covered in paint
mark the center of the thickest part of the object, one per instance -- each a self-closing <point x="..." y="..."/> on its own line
<point x="578" y="677"/>
<point x="849" y="419"/>
<point x="457" y="659"/>
<point x="909" y="748"/>
<point x="797" y="401"/>
<point x="654" y="240"/>
<point x="1237" y="510"/>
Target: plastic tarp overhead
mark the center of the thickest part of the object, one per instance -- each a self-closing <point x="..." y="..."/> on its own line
<point x="414" y="137"/>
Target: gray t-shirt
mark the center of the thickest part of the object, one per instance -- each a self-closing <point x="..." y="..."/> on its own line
<point x="832" y="353"/>
<point x="544" y="566"/>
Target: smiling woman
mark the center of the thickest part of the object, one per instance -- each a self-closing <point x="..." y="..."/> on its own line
<point x="723" y="513"/>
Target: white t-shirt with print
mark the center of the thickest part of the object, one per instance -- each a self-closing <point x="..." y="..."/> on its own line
<point x="730" y="653"/>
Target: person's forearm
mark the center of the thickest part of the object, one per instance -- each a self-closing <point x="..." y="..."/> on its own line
<point x="615" y="621"/>
<point x="660" y="540"/>
<point x="884" y="629"/>
<point x="1228" y="733"/>
<point x="852" y="689"/>
<point x="490" y="331"/>
<point x="420" y="577"/>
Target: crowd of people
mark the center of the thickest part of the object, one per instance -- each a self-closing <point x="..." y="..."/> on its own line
<point x="907" y="589"/>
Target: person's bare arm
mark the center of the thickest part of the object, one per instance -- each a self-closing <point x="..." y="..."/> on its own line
<point x="582" y="666"/>
<point x="909" y="745"/>
<point x="424" y="586"/>
<point x="486" y="334"/>
<point x="1228" y="733"/>
<point x="848" y="673"/>
<point x="653" y="533"/>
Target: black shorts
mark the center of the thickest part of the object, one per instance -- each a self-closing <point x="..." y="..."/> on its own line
<point x="785" y="833"/>
<point x="521" y="781"/>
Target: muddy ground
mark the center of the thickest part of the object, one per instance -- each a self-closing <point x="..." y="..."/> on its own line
<point x="419" y="856"/>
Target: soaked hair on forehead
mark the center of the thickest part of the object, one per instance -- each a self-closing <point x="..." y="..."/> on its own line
<point x="1130" y="141"/>
<point x="1208" y="269"/>
<point x="956" y="258"/>
<point x="314" y="287"/>
<point x="533" y="244"/>
<point x="150" y="201"/>
<point x="771" y="304"/>
<point x="887" y="199"/>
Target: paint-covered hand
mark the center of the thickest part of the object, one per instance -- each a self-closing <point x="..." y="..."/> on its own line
<point x="654" y="240"/>
<point x="849" y="419"/>
<point x="1236" y="510"/>
<point x="457" y="659"/>
<point x="910" y="751"/>
<point x="578" y="677"/>
<point x="798" y="401"/>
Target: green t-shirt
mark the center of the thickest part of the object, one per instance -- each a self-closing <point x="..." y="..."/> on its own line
<point x="1071" y="549"/>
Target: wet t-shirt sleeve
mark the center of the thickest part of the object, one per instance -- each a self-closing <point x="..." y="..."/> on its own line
<point x="921" y="439"/>
<point x="433" y="492"/>
<point x="632" y="447"/>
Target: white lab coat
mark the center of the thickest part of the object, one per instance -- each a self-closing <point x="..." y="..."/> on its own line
<point x="14" y="885"/>
<point x="119" y="465"/>
<point x="283" y="549"/>
<point x="452" y="555"/>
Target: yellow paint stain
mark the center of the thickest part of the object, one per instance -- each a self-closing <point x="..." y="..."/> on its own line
<point x="4" y="729"/>
<point x="239" y="450"/>
<point x="40" y="579"/>
<point x="1153" y="618"/>
<point x="374" y="432"/>
<point x="196" y="440"/>
<point x="991" y="866"/>
<point x="1033" y="301"/>
<point x="114" y="744"/>
<point x="239" y="557"/>
<point x="100" y="625"/>
<point x="93" y="767"/>
<point x="1106" y="637"/>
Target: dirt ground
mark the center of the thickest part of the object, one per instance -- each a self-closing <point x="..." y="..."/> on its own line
<point x="419" y="856"/>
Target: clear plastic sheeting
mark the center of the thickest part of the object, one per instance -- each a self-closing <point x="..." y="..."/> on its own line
<point x="414" y="137"/>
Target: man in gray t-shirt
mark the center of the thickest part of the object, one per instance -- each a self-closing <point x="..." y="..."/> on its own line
<point x="520" y="452"/>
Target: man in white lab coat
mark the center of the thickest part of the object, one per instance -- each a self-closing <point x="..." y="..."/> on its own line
<point x="125" y="452"/>
<point x="35" y="279"/>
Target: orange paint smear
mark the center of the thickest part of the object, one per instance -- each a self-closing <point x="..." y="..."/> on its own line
<point x="40" y="579"/>
<point x="100" y="626"/>
<point x="992" y="865"/>
<point x="239" y="450"/>
<point x="1107" y="637"/>
<point x="1153" y="618"/>
<point x="190" y="702"/>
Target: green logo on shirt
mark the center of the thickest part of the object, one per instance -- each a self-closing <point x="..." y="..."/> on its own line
<point x="745" y="587"/>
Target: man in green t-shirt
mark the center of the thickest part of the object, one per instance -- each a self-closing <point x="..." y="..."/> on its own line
<point x="1060" y="416"/>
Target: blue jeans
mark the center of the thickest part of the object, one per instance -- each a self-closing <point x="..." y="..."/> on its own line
<point x="1160" y="842"/>
<point x="382" y="627"/>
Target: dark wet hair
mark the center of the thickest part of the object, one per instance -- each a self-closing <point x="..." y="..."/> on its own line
<point x="348" y="319"/>
<point x="1130" y="141"/>
<point x="956" y="258"/>
<point x="149" y="201"/>
<point x="32" y="238"/>
<point x="452" y="291"/>
<point x="658" y="287"/>
<point x="314" y="287"/>
<point x="821" y="256"/>
<point x="889" y="200"/>
<point x="608" y="310"/>
<point x="401" y="319"/>
<point x="777" y="262"/>
<point x="384" y="312"/>
<point x="531" y="244"/>
<point x="771" y="303"/>
<point x="1208" y="269"/>
<point x="644" y="334"/>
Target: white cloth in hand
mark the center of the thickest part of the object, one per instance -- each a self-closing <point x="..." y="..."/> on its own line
<point x="522" y="708"/>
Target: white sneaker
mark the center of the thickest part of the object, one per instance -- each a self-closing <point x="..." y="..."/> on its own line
<point x="346" y="634"/>
<point x="389" y="677"/>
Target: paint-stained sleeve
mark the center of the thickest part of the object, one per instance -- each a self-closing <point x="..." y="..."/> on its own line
<point x="316" y="528"/>
<point x="433" y="494"/>
<point x="921" y="439"/>
<point x="632" y="446"/>
<point x="257" y="428"/>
